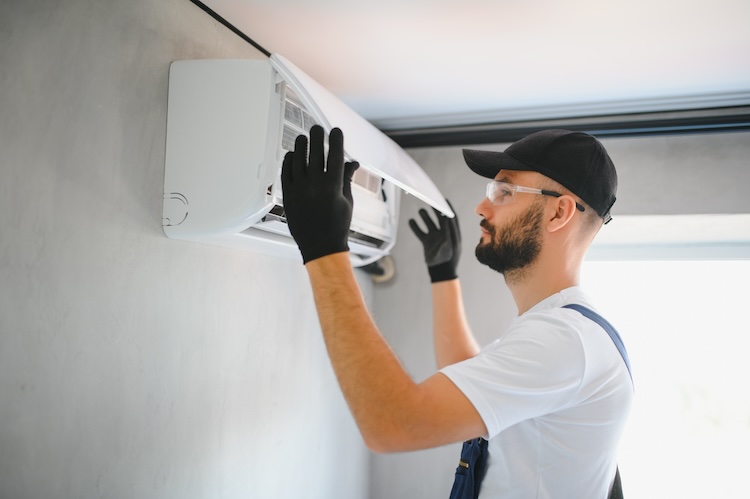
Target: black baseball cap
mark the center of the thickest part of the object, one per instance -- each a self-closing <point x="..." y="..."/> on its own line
<point x="576" y="160"/>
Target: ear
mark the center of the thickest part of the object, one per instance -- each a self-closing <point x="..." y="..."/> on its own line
<point x="564" y="208"/>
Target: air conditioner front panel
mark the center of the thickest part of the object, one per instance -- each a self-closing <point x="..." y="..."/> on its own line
<point x="362" y="141"/>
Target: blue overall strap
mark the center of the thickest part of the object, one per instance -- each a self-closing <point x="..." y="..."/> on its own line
<point x="611" y="331"/>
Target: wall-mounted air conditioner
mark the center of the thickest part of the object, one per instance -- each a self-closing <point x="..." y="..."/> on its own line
<point x="229" y="125"/>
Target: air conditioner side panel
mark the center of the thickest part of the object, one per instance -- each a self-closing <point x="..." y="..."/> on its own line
<point x="216" y="176"/>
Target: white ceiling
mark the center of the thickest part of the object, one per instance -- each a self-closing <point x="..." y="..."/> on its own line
<point x="412" y="63"/>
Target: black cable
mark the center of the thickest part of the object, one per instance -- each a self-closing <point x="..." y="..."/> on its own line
<point x="231" y="27"/>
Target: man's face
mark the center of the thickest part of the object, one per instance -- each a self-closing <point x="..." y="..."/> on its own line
<point x="513" y="245"/>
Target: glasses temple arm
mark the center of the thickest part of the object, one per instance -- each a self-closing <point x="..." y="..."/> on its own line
<point x="557" y="195"/>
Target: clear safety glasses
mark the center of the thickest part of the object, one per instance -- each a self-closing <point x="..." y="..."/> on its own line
<point x="504" y="193"/>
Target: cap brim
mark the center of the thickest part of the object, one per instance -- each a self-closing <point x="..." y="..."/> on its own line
<point x="489" y="163"/>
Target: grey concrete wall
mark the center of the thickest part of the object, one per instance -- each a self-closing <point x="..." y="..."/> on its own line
<point x="131" y="365"/>
<point x="690" y="174"/>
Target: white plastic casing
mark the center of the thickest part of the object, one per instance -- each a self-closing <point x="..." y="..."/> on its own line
<point x="229" y="124"/>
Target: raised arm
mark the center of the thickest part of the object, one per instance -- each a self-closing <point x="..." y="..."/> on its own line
<point x="452" y="336"/>
<point x="392" y="411"/>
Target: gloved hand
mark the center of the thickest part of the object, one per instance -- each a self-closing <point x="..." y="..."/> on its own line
<point x="442" y="244"/>
<point x="318" y="195"/>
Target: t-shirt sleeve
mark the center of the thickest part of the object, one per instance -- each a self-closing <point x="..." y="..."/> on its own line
<point x="532" y="370"/>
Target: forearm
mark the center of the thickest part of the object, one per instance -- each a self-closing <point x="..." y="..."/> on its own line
<point x="375" y="385"/>
<point x="453" y="339"/>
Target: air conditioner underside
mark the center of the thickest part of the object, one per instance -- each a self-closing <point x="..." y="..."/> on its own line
<point x="271" y="236"/>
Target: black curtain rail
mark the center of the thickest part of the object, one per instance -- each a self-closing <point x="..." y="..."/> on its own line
<point x="713" y="120"/>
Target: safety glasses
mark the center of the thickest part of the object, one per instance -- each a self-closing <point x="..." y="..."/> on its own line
<point x="504" y="193"/>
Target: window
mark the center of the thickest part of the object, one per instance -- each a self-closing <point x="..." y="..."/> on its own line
<point x="685" y="325"/>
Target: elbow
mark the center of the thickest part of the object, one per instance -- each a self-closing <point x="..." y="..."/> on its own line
<point x="383" y="441"/>
<point x="378" y="444"/>
<point x="400" y="427"/>
<point x="376" y="447"/>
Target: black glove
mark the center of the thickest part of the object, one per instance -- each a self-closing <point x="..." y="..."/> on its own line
<point x="318" y="196"/>
<point x="442" y="245"/>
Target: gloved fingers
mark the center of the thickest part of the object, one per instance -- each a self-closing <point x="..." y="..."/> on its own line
<point x="417" y="230"/>
<point x="317" y="151"/>
<point x="335" y="162"/>
<point x="335" y="152"/>
<point x="455" y="228"/>
<point x="441" y="219"/>
<point x="349" y="169"/>
<point x="286" y="170"/>
<point x="299" y="161"/>
<point x="431" y="227"/>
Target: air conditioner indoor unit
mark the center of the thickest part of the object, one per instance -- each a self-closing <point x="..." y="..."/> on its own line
<point x="229" y="125"/>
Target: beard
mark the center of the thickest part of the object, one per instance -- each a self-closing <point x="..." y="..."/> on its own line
<point x="515" y="246"/>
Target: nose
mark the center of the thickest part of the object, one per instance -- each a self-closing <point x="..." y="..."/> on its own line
<point x="483" y="209"/>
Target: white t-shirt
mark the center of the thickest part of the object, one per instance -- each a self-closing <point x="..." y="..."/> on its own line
<point x="554" y="394"/>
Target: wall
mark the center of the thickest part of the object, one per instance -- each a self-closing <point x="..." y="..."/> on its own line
<point x="658" y="175"/>
<point x="131" y="365"/>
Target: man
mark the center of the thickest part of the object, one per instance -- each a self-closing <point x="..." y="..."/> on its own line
<point x="552" y="393"/>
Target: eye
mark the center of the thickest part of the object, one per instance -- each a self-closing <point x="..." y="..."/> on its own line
<point x="500" y="192"/>
<point x="503" y="192"/>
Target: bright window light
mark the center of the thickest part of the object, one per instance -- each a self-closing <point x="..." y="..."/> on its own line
<point x="686" y="328"/>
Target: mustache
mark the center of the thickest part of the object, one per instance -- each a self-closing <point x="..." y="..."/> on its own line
<point x="487" y="226"/>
